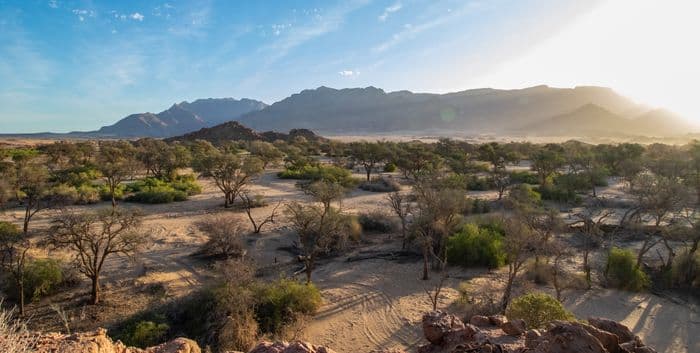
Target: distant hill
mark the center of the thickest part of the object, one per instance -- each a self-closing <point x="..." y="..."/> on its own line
<point x="181" y="118"/>
<point x="372" y="110"/>
<point x="592" y="120"/>
<point x="233" y="130"/>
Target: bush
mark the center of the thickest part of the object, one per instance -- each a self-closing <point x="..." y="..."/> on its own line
<point x="224" y="237"/>
<point x="118" y="193"/>
<point x="537" y="310"/>
<point x="153" y="190"/>
<point x="685" y="271"/>
<point x="478" y="184"/>
<point x="376" y="221"/>
<point x="379" y="184"/>
<point x="144" y="334"/>
<point x="477" y="206"/>
<point x="476" y="246"/>
<point x="621" y="271"/>
<point x="321" y="172"/>
<point x="280" y="303"/>
<point x="42" y="277"/>
<point x="389" y="167"/>
<point x="524" y="177"/>
<point x="474" y="301"/>
<point x="559" y="194"/>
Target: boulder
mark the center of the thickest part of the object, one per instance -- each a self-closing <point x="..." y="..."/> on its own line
<point x="610" y="341"/>
<point x="479" y="320"/>
<point x="532" y="338"/>
<point x="287" y="347"/>
<point x="514" y="328"/>
<point x="621" y="331"/>
<point x="437" y="324"/>
<point x="566" y="337"/>
<point x="498" y="320"/>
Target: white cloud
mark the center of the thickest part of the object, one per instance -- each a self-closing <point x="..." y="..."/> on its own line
<point x="389" y="10"/>
<point x="53" y="4"/>
<point x="349" y="73"/>
<point x="136" y="16"/>
<point x="83" y="14"/>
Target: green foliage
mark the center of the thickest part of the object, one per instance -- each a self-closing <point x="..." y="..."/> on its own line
<point x="537" y="310"/>
<point x="154" y="190"/>
<point x="475" y="183"/>
<point x="523" y="178"/>
<point x="621" y="271"/>
<point x="77" y="176"/>
<point x="477" y="206"/>
<point x="376" y="221"/>
<point x="685" y="271"/>
<point x="476" y="245"/>
<point x="389" y="167"/>
<point x="144" y="334"/>
<point x="328" y="173"/>
<point x="119" y="192"/>
<point x="280" y="303"/>
<point x="42" y="277"/>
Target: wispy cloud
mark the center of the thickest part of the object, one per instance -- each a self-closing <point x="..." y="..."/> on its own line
<point x="410" y="31"/>
<point x="136" y="16"/>
<point x="83" y="14"/>
<point x="389" y="10"/>
<point x="53" y="4"/>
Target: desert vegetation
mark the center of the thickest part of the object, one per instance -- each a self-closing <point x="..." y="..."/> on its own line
<point x="266" y="234"/>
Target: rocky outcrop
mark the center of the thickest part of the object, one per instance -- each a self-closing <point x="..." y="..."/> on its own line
<point x="98" y="342"/>
<point x="289" y="347"/>
<point x="447" y="333"/>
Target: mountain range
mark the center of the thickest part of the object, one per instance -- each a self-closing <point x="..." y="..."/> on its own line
<point x="540" y="110"/>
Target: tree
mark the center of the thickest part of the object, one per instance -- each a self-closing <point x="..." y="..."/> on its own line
<point x="318" y="229"/>
<point x="116" y="161"/>
<point x="230" y="171"/>
<point x="367" y="154"/>
<point x="93" y="237"/>
<point x="546" y="161"/>
<point x="266" y="152"/>
<point x="591" y="219"/>
<point x="162" y="159"/>
<point x="14" y="247"/>
<point x="33" y="189"/>
<point x="414" y="159"/>
<point x="518" y="246"/>
<point x="224" y="236"/>
<point x="325" y="192"/>
<point x="402" y="208"/>
<point x="499" y="156"/>
<point x="251" y="202"/>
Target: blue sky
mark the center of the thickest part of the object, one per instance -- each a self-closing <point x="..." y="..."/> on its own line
<point x="78" y="65"/>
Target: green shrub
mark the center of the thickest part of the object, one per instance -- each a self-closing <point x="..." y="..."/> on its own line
<point x="476" y="246"/>
<point x="78" y="176"/>
<point x="559" y="194"/>
<point x="477" y="206"/>
<point x="685" y="271"/>
<point x="42" y="278"/>
<point x="154" y="190"/>
<point x="389" y="167"/>
<point x="281" y="302"/>
<point x="378" y="184"/>
<point x="144" y="334"/>
<point x="376" y="221"/>
<point x="478" y="184"/>
<point x="621" y="271"/>
<point x="537" y="310"/>
<point x="329" y="173"/>
<point x="119" y="193"/>
<point x="524" y="177"/>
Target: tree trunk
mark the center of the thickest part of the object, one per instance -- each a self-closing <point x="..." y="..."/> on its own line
<point x="27" y="216"/>
<point x="425" y="263"/>
<point x="308" y="271"/>
<point x="506" y="293"/>
<point x="20" y="289"/>
<point x="95" y="295"/>
<point x="369" y="171"/>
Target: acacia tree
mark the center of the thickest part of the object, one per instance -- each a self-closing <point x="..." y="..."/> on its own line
<point x="367" y="154"/>
<point x="325" y="192"/>
<point x="499" y="156"/>
<point x="14" y="247"/>
<point x="319" y="230"/>
<point x="33" y="189"/>
<point x="591" y="219"/>
<point x="517" y="246"/>
<point x="402" y="208"/>
<point x="266" y="152"/>
<point x="546" y="161"/>
<point x="93" y="237"/>
<point x="230" y="171"/>
<point x="162" y="159"/>
<point x="116" y="161"/>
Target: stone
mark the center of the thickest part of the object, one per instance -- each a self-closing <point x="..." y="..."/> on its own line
<point x="514" y="328"/>
<point x="479" y="320"/>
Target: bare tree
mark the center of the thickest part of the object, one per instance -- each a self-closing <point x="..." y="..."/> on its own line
<point x="591" y="220"/>
<point x="224" y="236"/>
<point x="402" y="208"/>
<point x="93" y="237"/>
<point x="319" y="230"/>
<point x="14" y="247"/>
<point x="251" y="202"/>
<point x="325" y="192"/>
<point x="518" y="246"/>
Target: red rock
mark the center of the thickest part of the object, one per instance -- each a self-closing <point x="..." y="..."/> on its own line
<point x="514" y="328"/>
<point x="481" y="321"/>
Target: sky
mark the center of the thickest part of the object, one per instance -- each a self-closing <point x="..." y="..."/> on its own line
<point x="78" y="65"/>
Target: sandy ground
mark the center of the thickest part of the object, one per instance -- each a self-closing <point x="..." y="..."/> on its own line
<point x="368" y="304"/>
